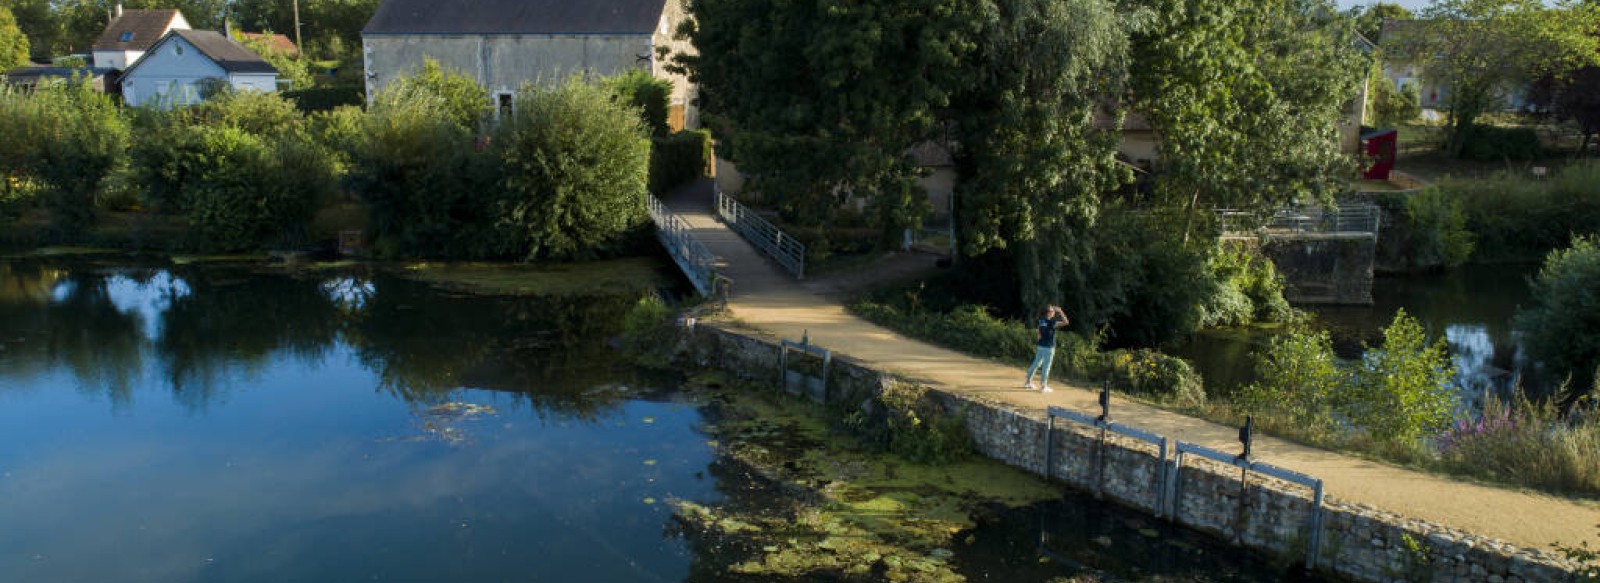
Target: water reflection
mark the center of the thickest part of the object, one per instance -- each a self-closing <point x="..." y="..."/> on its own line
<point x="1472" y="308"/>
<point x="204" y="331"/>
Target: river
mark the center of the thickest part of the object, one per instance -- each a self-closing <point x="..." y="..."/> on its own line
<point x="1471" y="307"/>
<point x="166" y="423"/>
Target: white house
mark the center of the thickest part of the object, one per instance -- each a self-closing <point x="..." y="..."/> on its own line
<point x="174" y="70"/>
<point x="132" y="32"/>
<point x="506" y="43"/>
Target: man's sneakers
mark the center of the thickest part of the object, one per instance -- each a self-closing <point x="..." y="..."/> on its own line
<point x="1027" y="384"/>
<point x="1045" y="389"/>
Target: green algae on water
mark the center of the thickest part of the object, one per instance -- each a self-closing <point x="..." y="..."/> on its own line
<point x="610" y="277"/>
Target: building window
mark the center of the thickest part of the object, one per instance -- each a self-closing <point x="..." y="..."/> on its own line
<point x="126" y="37"/>
<point x="505" y="104"/>
<point x="177" y="49"/>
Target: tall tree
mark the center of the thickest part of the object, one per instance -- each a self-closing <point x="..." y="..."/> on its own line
<point x="36" y="20"/>
<point x="1035" y="162"/>
<point x="1246" y="97"/>
<point x="13" y="44"/>
<point x="1369" y="19"/>
<point x="1480" y="50"/>
<point x="817" y="101"/>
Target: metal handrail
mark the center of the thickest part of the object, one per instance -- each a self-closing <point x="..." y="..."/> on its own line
<point x="697" y="262"/>
<point x="1345" y="219"/>
<point x="1161" y="443"/>
<point x="781" y="247"/>
<point x="1314" y="540"/>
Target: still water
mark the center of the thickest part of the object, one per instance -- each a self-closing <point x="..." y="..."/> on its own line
<point x="1471" y="308"/>
<point x="170" y="424"/>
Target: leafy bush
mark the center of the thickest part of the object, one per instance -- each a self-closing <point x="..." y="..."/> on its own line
<point x="262" y="114"/>
<point x="678" y="159"/>
<point x="316" y="99"/>
<point x="1299" y="380"/>
<point x="1405" y="388"/>
<point x="1439" y="235"/>
<point x="648" y="333"/>
<point x="1147" y="372"/>
<point x="645" y="93"/>
<point x="575" y="165"/>
<point x="1518" y="218"/>
<point x="1562" y="326"/>
<point x="423" y="182"/>
<point x="1393" y="107"/>
<point x="65" y="139"/>
<point x="1249" y="290"/>
<point x="461" y="100"/>
<point x="1494" y="144"/>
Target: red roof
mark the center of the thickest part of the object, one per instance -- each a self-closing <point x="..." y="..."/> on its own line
<point x="276" y="43"/>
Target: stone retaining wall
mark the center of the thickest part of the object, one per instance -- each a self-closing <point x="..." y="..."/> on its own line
<point x="1257" y="512"/>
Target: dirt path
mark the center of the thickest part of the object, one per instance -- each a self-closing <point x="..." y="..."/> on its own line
<point x="770" y="300"/>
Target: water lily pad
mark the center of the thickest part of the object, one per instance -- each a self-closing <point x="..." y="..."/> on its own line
<point x="649" y="500"/>
<point x="649" y="420"/>
<point x="649" y="462"/>
<point x="1149" y="532"/>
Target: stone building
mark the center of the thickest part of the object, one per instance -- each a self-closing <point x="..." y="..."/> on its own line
<point x="507" y="43"/>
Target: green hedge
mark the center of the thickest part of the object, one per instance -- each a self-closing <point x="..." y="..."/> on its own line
<point x="326" y="98"/>
<point x="678" y="159"/>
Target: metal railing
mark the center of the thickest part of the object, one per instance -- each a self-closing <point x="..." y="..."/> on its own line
<point x="1106" y="426"/>
<point x="783" y="248"/>
<point x="689" y="253"/>
<point x="815" y="387"/>
<point x="1346" y="219"/>
<point x="1314" y="540"/>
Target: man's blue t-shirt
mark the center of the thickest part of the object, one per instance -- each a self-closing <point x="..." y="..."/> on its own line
<point x="1047" y="332"/>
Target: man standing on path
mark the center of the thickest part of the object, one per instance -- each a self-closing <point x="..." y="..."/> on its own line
<point x="1050" y="320"/>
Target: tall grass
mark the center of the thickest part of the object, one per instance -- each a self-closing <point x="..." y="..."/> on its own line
<point x="1526" y="442"/>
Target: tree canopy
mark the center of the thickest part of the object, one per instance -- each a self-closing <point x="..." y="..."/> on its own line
<point x="820" y="100"/>
<point x="1478" y="51"/>
<point x="1247" y="97"/>
<point x="1369" y="19"/>
<point x="13" y="44"/>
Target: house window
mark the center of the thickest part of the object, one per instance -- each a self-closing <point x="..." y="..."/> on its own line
<point x="126" y="37"/>
<point x="504" y="104"/>
<point x="177" y="49"/>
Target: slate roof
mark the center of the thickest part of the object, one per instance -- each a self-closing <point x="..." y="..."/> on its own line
<point x="225" y="52"/>
<point x="147" y="27"/>
<point x="516" y="17"/>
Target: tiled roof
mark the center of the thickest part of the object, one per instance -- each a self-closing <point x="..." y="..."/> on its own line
<point x="516" y="17"/>
<point x="135" y="30"/>
<point x="275" y="42"/>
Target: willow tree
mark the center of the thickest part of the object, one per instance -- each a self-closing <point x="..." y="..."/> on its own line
<point x="1247" y="96"/>
<point x="1035" y="162"/>
<point x="819" y="101"/>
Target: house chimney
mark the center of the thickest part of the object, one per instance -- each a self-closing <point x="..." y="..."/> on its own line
<point x="119" y="10"/>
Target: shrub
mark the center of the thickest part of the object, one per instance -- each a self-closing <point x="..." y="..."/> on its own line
<point x="1249" y="290"/>
<point x="1147" y="372"/>
<point x="575" y="165"/>
<point x="678" y="159"/>
<point x="424" y="184"/>
<point x="650" y="96"/>
<point x="1518" y="218"/>
<point x="65" y="139"/>
<point x="460" y="99"/>
<point x="316" y="99"/>
<point x="1439" y="235"/>
<point x="1562" y="326"/>
<point x="1494" y="144"/>
<point x="254" y="191"/>
<point x="1140" y="280"/>
<point x="1404" y="388"/>
<point x="1392" y="107"/>
<point x="1298" y="378"/>
<point x="648" y="334"/>
<point x="262" y="114"/>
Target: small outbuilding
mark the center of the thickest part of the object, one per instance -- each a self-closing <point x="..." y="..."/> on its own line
<point x="177" y="69"/>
